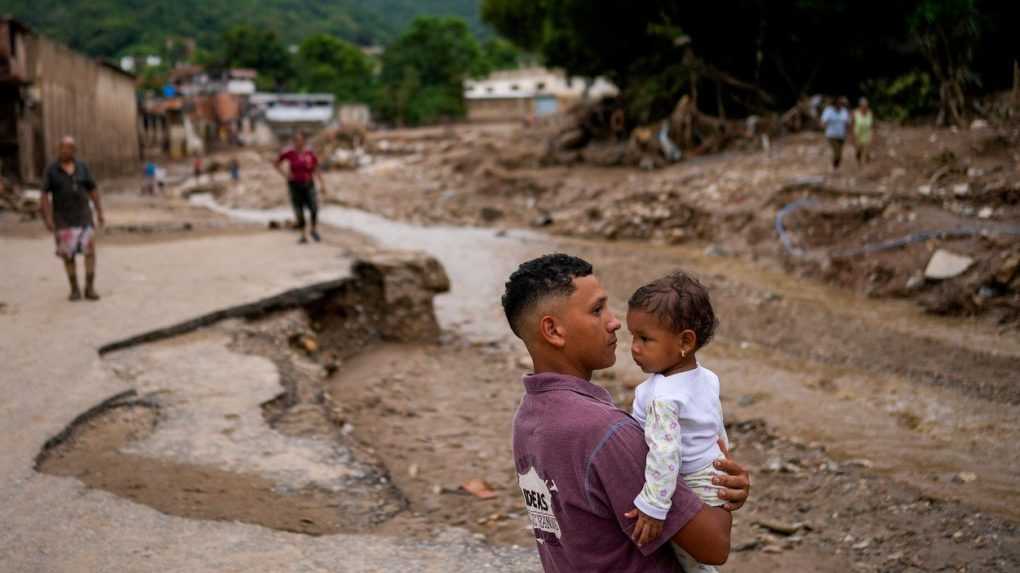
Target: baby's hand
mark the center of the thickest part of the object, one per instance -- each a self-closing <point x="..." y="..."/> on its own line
<point x="647" y="529"/>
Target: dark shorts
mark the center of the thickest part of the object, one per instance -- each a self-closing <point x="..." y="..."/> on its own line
<point x="837" y="146"/>
<point x="302" y="196"/>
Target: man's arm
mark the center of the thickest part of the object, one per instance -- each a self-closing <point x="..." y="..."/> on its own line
<point x="94" y="195"/>
<point x="617" y="475"/>
<point x="45" y="205"/>
<point x="46" y="209"/>
<point x="707" y="536"/>
<point x="277" y="163"/>
<point x="320" y="180"/>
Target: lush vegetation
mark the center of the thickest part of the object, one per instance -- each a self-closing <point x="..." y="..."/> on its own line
<point x="743" y="56"/>
<point x="111" y="28"/>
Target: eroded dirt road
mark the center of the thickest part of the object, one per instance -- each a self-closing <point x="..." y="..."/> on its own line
<point x="881" y="438"/>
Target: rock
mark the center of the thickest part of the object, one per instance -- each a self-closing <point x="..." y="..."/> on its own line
<point x="1008" y="269"/>
<point x="985" y="213"/>
<point x="490" y="214"/>
<point x="946" y="265"/>
<point x="745" y="400"/>
<point x="964" y="477"/>
<point x="714" y="250"/>
<point x="894" y="556"/>
<point x="961" y="189"/>
<point x="924" y="189"/>
<point x="478" y="488"/>
<point x="973" y="172"/>
<point x="978" y="124"/>
<point x="543" y="220"/>
<point x="779" y="526"/>
<point x="772" y="549"/>
<point x="915" y="282"/>
<point x="862" y="544"/>
<point x="898" y="172"/>
<point x="747" y="545"/>
<point x="412" y="470"/>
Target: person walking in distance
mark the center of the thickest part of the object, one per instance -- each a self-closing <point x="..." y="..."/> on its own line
<point x="68" y="189"/>
<point x="835" y="120"/>
<point x="864" y="127"/>
<point x="303" y="167"/>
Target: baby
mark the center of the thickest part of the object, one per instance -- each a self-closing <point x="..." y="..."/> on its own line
<point x="678" y="405"/>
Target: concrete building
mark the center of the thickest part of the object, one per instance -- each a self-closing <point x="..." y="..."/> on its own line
<point x="285" y="113"/>
<point x="48" y="91"/>
<point x="516" y="95"/>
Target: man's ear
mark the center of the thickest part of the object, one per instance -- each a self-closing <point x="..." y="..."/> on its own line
<point x="551" y="331"/>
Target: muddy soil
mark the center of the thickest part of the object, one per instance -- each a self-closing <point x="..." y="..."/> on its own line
<point x="93" y="454"/>
<point x="881" y="438"/>
<point x="921" y="182"/>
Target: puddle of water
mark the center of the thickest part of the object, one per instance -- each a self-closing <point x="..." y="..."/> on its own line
<point x="869" y="417"/>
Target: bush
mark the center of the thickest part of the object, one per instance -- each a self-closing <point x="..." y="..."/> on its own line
<point x="902" y="97"/>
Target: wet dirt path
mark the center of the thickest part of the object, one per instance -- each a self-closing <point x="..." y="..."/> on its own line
<point x="817" y="364"/>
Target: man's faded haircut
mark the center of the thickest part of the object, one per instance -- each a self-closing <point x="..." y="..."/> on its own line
<point x="680" y="302"/>
<point x="534" y="280"/>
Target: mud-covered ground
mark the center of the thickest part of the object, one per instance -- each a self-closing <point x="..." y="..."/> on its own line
<point x="871" y="228"/>
<point x="880" y="437"/>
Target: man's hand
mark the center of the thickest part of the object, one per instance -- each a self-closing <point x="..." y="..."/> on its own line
<point x="102" y="220"/>
<point x="735" y="486"/>
<point x="646" y="530"/>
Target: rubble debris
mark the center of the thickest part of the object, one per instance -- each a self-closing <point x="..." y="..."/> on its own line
<point x="478" y="488"/>
<point x="946" y="265"/>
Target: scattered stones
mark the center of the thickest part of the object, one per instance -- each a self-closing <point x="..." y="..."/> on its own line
<point x="985" y="213"/>
<point x="946" y="265"/>
<point x="964" y="477"/>
<point x="924" y="190"/>
<point x="961" y="189"/>
<point x="307" y="342"/>
<point x="412" y="471"/>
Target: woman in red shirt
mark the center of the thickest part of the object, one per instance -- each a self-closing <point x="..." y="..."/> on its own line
<point x="303" y="167"/>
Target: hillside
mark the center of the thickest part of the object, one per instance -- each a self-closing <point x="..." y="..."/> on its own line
<point x="115" y="27"/>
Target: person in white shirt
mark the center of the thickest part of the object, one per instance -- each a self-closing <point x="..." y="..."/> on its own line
<point x="836" y="120"/>
<point x="678" y="406"/>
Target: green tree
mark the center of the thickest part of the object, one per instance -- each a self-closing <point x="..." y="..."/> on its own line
<point x="499" y="54"/>
<point x="423" y="71"/>
<point x="329" y="64"/>
<point x="947" y="33"/>
<point x="751" y="55"/>
<point x="261" y="49"/>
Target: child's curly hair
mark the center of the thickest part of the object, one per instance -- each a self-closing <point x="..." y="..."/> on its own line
<point x="680" y="302"/>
